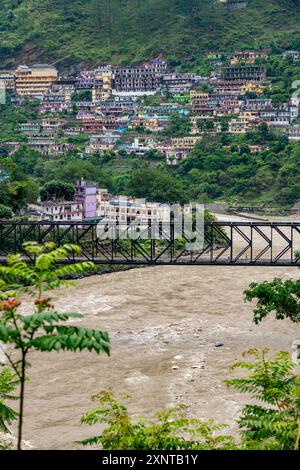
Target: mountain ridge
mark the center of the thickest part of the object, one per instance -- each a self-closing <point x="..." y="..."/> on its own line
<point x="132" y="31"/>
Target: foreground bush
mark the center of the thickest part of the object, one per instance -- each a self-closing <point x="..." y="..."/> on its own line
<point x="272" y="425"/>
<point x="45" y="329"/>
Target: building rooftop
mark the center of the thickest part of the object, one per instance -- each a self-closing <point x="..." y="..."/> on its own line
<point x="57" y="203"/>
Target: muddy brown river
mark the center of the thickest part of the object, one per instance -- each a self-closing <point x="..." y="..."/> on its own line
<point x="157" y="318"/>
<point x="163" y="323"/>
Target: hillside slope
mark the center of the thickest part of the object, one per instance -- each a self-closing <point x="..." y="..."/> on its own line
<point x="90" y="31"/>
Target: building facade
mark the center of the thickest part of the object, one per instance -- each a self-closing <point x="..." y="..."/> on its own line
<point x="35" y="80"/>
<point x="86" y="195"/>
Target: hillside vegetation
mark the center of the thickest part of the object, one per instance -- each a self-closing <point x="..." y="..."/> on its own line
<point x="130" y="31"/>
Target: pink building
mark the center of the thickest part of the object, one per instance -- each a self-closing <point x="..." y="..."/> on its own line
<point x="86" y="194"/>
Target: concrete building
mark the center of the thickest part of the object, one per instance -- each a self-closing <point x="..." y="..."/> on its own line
<point x="185" y="142"/>
<point x="125" y="209"/>
<point x="103" y="84"/>
<point x="262" y="104"/>
<point x="62" y="211"/>
<point x="294" y="54"/>
<point x="146" y="79"/>
<point x="7" y="79"/>
<point x="243" y="123"/>
<point x="248" y="73"/>
<point x="294" y="132"/>
<point x="65" y="87"/>
<point x="249" y="56"/>
<point x="174" y="155"/>
<point x="101" y="143"/>
<point x="86" y="195"/>
<point x="35" y="81"/>
<point x="178" y="82"/>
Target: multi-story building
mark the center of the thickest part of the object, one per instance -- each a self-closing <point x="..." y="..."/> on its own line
<point x="281" y="117"/>
<point x="261" y="104"/>
<point x="178" y="82"/>
<point x="100" y="143"/>
<point x="141" y="80"/>
<point x="86" y="195"/>
<point x="158" y="66"/>
<point x="234" y="87"/>
<point x="35" y="81"/>
<point x="174" y="155"/>
<point x="62" y="211"/>
<point x="85" y="80"/>
<point x="249" y="56"/>
<point x="247" y="73"/>
<point x="103" y="83"/>
<point x="47" y="146"/>
<point x="294" y="132"/>
<point x="52" y="126"/>
<point x="185" y="142"/>
<point x="200" y="102"/>
<point x="65" y="87"/>
<point x="30" y="128"/>
<point x="243" y="123"/>
<point x="56" y="101"/>
<point x="140" y="145"/>
<point x="7" y="79"/>
<point x="125" y="209"/>
<point x="294" y="54"/>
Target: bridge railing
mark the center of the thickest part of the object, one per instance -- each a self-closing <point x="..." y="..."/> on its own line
<point x="221" y="243"/>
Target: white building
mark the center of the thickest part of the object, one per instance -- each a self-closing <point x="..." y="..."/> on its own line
<point x="124" y="209"/>
<point x="62" y="211"/>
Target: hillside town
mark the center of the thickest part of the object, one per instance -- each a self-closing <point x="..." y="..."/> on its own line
<point x="128" y="111"/>
<point x="149" y="231"/>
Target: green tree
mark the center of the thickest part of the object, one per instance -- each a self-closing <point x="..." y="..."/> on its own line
<point x="45" y="329"/>
<point x="57" y="190"/>
<point x="272" y="381"/>
<point x="21" y="193"/>
<point x="8" y="383"/>
<point x="5" y="212"/>
<point x="279" y="297"/>
<point x="155" y="185"/>
<point x="84" y="95"/>
<point x="178" y="126"/>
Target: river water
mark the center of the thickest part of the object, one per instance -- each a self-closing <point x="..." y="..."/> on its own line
<point x="163" y="323"/>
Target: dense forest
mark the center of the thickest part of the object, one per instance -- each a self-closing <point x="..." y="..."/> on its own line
<point x="127" y="31"/>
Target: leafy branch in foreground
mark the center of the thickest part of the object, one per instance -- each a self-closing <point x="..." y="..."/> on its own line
<point x="170" y="430"/>
<point x="45" y="329"/>
<point x="45" y="273"/>
<point x="281" y="297"/>
<point x="8" y="383"/>
<point x="274" y="383"/>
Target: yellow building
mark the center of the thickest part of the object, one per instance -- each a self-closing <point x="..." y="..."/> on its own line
<point x="103" y="84"/>
<point x="35" y="80"/>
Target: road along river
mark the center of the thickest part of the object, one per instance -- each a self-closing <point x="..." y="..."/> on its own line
<point x="164" y="323"/>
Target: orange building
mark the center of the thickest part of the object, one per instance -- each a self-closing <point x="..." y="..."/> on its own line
<point x="35" y="80"/>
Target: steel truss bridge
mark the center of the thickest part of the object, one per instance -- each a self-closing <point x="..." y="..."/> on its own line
<point x="224" y="243"/>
